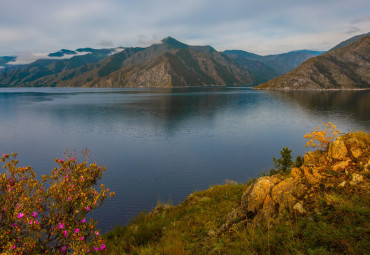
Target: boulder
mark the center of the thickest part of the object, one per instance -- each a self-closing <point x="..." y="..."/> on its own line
<point x="337" y="150"/>
<point x="282" y="194"/>
<point x="253" y="198"/>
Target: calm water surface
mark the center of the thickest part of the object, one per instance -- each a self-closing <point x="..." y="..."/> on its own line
<point x="163" y="144"/>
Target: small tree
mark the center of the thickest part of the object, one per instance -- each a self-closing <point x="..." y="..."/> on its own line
<point x="49" y="216"/>
<point x="285" y="162"/>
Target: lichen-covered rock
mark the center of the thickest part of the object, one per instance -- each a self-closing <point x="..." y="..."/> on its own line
<point x="337" y="150"/>
<point x="342" y="184"/>
<point x="311" y="175"/>
<point x="296" y="173"/>
<point x="271" y="196"/>
<point x="356" y="153"/>
<point x="282" y="194"/>
<point x="255" y="195"/>
<point x="340" y="165"/>
<point x="299" y="207"/>
<point x="356" y="179"/>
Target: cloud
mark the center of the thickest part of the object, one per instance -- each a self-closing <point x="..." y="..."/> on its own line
<point x="105" y="43"/>
<point x="144" y="41"/>
<point x="254" y="25"/>
<point x="24" y="58"/>
<point x="353" y="30"/>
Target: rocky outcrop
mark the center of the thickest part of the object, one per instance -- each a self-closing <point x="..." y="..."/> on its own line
<point x="346" y="161"/>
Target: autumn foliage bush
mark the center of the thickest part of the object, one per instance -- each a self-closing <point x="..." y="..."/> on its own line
<point x="48" y="216"/>
<point x="321" y="136"/>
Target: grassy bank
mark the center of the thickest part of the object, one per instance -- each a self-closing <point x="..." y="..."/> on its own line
<point x="334" y="218"/>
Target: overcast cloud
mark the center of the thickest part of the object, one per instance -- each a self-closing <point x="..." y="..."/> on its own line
<point x="258" y="26"/>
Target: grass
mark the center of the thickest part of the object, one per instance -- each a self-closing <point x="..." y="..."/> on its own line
<point x="336" y="222"/>
<point x="338" y="225"/>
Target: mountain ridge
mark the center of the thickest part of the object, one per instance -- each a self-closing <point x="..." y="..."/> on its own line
<point x="136" y="66"/>
<point x="342" y="68"/>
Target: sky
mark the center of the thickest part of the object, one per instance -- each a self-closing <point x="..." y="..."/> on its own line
<point x="259" y="26"/>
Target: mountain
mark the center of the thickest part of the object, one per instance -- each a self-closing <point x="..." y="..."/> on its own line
<point x="166" y="64"/>
<point x="348" y="41"/>
<point x="172" y="64"/>
<point x="6" y="59"/>
<point x="33" y="74"/>
<point x="268" y="67"/>
<point x="343" y="68"/>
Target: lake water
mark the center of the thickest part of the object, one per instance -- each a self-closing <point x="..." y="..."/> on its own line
<point x="163" y="144"/>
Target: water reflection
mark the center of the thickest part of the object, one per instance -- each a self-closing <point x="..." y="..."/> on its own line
<point x="352" y="103"/>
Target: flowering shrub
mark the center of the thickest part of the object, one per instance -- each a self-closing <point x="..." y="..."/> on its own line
<point x="322" y="136"/>
<point x="48" y="216"/>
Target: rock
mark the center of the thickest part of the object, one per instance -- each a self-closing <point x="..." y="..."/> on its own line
<point x="300" y="190"/>
<point x="299" y="207"/>
<point x="340" y="165"/>
<point x="337" y="150"/>
<point x="160" y="208"/>
<point x="342" y="184"/>
<point x="282" y="194"/>
<point x="356" y="179"/>
<point x="296" y="173"/>
<point x="311" y="175"/>
<point x="253" y="198"/>
<point x="356" y="153"/>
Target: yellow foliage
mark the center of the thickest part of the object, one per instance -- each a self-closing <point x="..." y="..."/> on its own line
<point x="322" y="135"/>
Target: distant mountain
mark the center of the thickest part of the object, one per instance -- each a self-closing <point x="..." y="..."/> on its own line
<point x="6" y="59"/>
<point x="343" y="68"/>
<point x="268" y="67"/>
<point x="348" y="41"/>
<point x="32" y="74"/>
<point x="168" y="64"/>
<point x="62" y="53"/>
<point x="4" y="62"/>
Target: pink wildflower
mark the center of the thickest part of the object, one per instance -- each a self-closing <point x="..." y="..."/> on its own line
<point x="96" y="248"/>
<point x="61" y="160"/>
<point x="63" y="249"/>
<point x="102" y="247"/>
<point x="13" y="247"/>
<point x="69" y="199"/>
<point x="34" y="214"/>
<point x="14" y="224"/>
<point x="65" y="233"/>
<point x="82" y="238"/>
<point x="83" y="220"/>
<point x="30" y="222"/>
<point x="88" y="208"/>
<point x="20" y="215"/>
<point x="97" y="233"/>
<point x="77" y="230"/>
<point x="36" y="222"/>
<point x="60" y="225"/>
